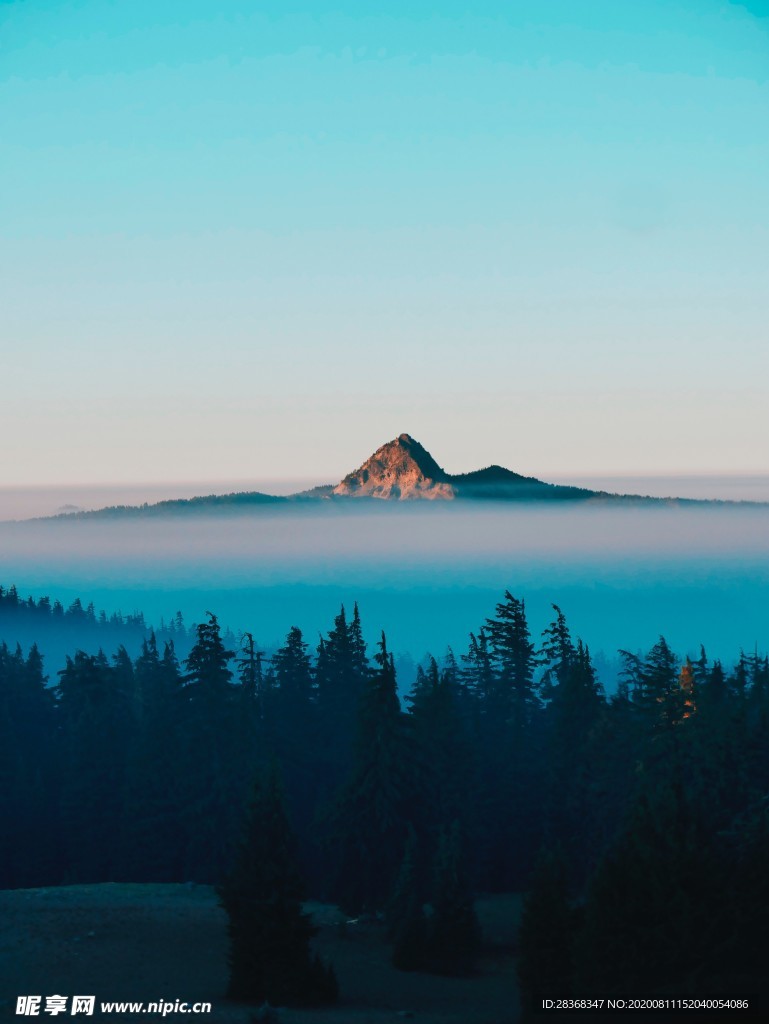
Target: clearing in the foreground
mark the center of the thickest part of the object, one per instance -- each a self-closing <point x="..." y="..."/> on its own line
<point x="139" y="942"/>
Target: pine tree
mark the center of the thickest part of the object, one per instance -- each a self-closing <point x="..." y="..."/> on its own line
<point x="293" y="675"/>
<point x="443" y="764"/>
<point x="212" y="787"/>
<point x="557" y="652"/>
<point x="208" y="677"/>
<point x="502" y="661"/>
<point x="546" y="937"/>
<point x="477" y="672"/>
<point x="341" y="675"/>
<point x="294" y="727"/>
<point x="743" y="950"/>
<point x="369" y="823"/>
<point x="256" y="699"/>
<point x="685" y="698"/>
<point x="649" y="925"/>
<point x="153" y="847"/>
<point x="96" y="715"/>
<point x="658" y="679"/>
<point x="251" y="674"/>
<point x="359" y="658"/>
<point x="406" y="922"/>
<point x="30" y="764"/>
<point x="454" y="930"/>
<point x="270" y="958"/>
<point x="574" y="708"/>
<point x="511" y="698"/>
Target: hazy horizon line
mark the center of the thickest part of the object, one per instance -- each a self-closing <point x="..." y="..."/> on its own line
<point x="316" y="479"/>
<point x="27" y="502"/>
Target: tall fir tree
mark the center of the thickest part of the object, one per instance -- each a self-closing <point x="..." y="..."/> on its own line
<point x="269" y="933"/>
<point x="212" y="787"/>
<point x="30" y="757"/>
<point x="511" y="697"/>
<point x="153" y="847"/>
<point x="454" y="935"/>
<point x="95" y="712"/>
<point x="369" y="823"/>
<point x="547" y="932"/>
<point x="406" y="921"/>
<point x="442" y="757"/>
<point x="574" y="705"/>
<point x="294" y="732"/>
<point x="341" y="674"/>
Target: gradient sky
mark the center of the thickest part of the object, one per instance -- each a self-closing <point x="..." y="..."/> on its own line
<point x="258" y="239"/>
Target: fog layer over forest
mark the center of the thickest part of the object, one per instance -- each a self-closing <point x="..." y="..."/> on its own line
<point x="427" y="573"/>
<point x="27" y="502"/>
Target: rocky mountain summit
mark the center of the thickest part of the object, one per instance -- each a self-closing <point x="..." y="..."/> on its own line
<point x="400" y="469"/>
<point x="404" y="470"/>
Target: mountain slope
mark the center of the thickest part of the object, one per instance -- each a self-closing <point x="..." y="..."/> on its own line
<point x="404" y="470"/>
<point x="401" y="469"/>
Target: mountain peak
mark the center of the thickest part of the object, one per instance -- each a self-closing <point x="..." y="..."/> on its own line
<point x="400" y="469"/>
<point x="403" y="469"/>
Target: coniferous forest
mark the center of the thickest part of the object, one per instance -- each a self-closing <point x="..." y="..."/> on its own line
<point x="636" y="823"/>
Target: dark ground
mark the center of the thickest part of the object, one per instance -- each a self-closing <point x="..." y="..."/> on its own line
<point x="136" y="942"/>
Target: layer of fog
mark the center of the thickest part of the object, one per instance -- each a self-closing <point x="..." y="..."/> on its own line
<point x="706" y="486"/>
<point x="428" y="574"/>
<point x="29" y="502"/>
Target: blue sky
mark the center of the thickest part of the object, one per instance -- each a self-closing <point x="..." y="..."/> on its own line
<point x="254" y="239"/>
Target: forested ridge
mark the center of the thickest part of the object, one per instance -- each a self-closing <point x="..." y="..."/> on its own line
<point x="59" y="630"/>
<point x="638" y="824"/>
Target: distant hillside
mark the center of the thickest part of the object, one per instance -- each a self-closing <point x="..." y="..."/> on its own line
<point x="401" y="470"/>
<point x="60" y="631"/>
<point x="235" y="502"/>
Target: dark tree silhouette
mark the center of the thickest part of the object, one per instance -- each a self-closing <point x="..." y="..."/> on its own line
<point x="270" y="958"/>
<point x="406" y="922"/>
<point x="96" y="715"/>
<point x="369" y="824"/>
<point x="454" y="930"/>
<point x="212" y="789"/>
<point x="546" y="936"/>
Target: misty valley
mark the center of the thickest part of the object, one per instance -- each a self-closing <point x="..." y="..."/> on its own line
<point x="413" y="744"/>
<point x="423" y="572"/>
<point x="522" y="749"/>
